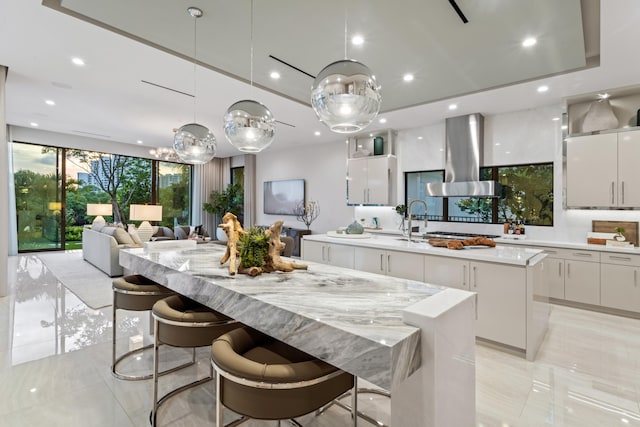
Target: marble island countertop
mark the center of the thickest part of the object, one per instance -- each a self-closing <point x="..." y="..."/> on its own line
<point x="499" y="254"/>
<point x="315" y="310"/>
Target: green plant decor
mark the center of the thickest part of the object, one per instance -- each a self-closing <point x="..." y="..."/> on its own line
<point x="619" y="230"/>
<point x="231" y="199"/>
<point x="254" y="248"/>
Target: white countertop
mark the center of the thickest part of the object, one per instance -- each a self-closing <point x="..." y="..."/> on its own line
<point x="568" y="245"/>
<point x="499" y="254"/>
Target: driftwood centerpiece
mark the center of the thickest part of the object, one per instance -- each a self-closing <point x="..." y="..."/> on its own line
<point x="274" y="262"/>
<point x="258" y="250"/>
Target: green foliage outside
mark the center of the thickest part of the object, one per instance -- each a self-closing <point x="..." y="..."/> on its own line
<point x="528" y="196"/>
<point x="174" y="197"/>
<point x="254" y="247"/>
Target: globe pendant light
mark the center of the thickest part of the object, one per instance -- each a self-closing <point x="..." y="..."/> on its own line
<point x="194" y="143"/>
<point x="249" y="125"/>
<point x="345" y="95"/>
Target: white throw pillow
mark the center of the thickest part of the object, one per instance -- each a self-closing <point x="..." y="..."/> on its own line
<point x="135" y="237"/>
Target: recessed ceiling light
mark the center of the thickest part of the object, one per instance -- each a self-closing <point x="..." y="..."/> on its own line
<point x="77" y="61"/>
<point x="563" y="126"/>
<point x="543" y="89"/>
<point x="34" y="124"/>
<point x="50" y="102"/>
<point x="357" y="40"/>
<point x="275" y="75"/>
<point x="407" y="77"/>
<point x="383" y="120"/>
<point x="555" y="119"/>
<point x="317" y="133"/>
<point x="497" y="144"/>
<point x="419" y="137"/>
<point x="453" y="106"/>
<point x="507" y="152"/>
<point x="139" y="141"/>
<point x="529" y="41"/>
<point x="603" y="95"/>
<point x="442" y="149"/>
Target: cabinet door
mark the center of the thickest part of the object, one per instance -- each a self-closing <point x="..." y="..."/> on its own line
<point x="340" y="255"/>
<point x="314" y="251"/>
<point x="619" y="287"/>
<point x="378" y="175"/>
<point x="357" y="182"/>
<point x="405" y="265"/>
<point x="592" y="164"/>
<point x="554" y="275"/>
<point x="582" y="281"/>
<point x="628" y="170"/>
<point x="446" y="272"/>
<point x="502" y="305"/>
<point x="370" y="260"/>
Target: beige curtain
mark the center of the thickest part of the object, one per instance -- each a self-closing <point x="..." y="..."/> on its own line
<point x="211" y="176"/>
<point x="249" y="190"/>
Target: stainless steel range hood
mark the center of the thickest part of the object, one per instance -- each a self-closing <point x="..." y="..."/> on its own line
<point x="464" y="147"/>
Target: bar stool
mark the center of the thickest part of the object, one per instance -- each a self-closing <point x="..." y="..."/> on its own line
<point x="135" y="293"/>
<point x="263" y="378"/>
<point x="182" y="322"/>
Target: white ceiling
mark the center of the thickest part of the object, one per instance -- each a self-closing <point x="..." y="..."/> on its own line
<point x="107" y="99"/>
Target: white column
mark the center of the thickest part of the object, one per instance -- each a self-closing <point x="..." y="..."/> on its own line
<point x="442" y="392"/>
<point x="4" y="185"/>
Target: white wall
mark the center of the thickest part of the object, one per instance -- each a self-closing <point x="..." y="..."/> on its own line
<point x="323" y="167"/>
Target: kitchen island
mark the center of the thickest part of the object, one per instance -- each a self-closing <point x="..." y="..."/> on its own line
<point x="410" y="338"/>
<point x="512" y="289"/>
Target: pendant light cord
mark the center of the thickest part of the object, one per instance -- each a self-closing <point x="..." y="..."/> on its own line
<point x="195" y="49"/>
<point x="346" y="14"/>
<point x="251" y="51"/>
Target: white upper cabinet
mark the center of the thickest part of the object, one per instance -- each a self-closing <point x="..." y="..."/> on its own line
<point x="371" y="180"/>
<point x="602" y="170"/>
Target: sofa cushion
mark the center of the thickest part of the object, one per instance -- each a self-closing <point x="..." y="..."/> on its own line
<point x="98" y="226"/>
<point x="121" y="236"/>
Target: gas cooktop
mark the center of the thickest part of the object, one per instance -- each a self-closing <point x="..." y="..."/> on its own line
<point x="455" y="236"/>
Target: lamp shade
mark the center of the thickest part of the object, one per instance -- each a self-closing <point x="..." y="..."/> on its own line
<point x="55" y="206"/>
<point x="345" y="96"/>
<point x="145" y="212"/>
<point x="99" y="209"/>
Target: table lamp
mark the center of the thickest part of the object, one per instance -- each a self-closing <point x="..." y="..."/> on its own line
<point x="145" y="213"/>
<point x="99" y="209"/>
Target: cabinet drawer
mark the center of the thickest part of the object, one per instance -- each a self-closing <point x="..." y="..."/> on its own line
<point x="620" y="259"/>
<point x="579" y="255"/>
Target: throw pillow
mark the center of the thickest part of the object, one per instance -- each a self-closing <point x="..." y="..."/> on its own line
<point x="98" y="226"/>
<point x="135" y="237"/>
<point x="122" y="237"/>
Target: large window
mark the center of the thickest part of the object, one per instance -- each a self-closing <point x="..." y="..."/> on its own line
<point x="89" y="177"/>
<point x="415" y="189"/>
<point x="38" y="191"/>
<point x="527" y="196"/>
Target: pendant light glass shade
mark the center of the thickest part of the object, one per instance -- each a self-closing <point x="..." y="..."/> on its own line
<point x="345" y="96"/>
<point x="194" y="144"/>
<point x="249" y="126"/>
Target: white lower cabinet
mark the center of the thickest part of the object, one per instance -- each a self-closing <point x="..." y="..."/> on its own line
<point x="582" y="281"/>
<point x="445" y="271"/>
<point x="554" y="274"/>
<point x="502" y="302"/>
<point x="404" y="265"/>
<point x="619" y="277"/>
<point x="328" y="253"/>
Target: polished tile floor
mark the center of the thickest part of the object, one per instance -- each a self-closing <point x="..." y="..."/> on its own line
<point x="55" y="354"/>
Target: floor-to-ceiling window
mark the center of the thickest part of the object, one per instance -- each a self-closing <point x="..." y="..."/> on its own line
<point x="174" y="188"/>
<point x="49" y="218"/>
<point x="38" y="187"/>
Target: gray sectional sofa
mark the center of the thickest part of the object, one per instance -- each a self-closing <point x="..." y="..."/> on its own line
<point x="101" y="247"/>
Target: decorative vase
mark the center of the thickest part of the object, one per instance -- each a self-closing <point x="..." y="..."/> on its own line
<point x="221" y="235"/>
<point x="599" y="117"/>
<point x="619" y="237"/>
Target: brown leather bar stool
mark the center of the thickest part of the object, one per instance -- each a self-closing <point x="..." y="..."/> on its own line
<point x="135" y="293"/>
<point x="182" y="322"/>
<point x="263" y="378"/>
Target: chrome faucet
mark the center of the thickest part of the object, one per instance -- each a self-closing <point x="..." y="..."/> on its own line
<point x="411" y="215"/>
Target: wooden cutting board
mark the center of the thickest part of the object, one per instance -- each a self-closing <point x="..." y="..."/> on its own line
<point x="630" y="227"/>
